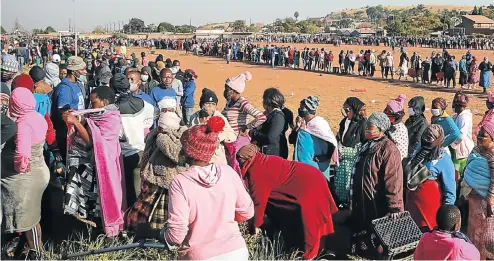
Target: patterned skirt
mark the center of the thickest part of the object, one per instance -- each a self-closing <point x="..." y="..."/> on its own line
<point x="480" y="227"/>
<point x="151" y="207"/>
<point x="344" y="172"/>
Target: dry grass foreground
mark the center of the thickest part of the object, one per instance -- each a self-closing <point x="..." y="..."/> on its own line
<point x="260" y="248"/>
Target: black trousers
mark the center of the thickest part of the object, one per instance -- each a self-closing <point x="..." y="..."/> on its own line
<point x="130" y="163"/>
<point x="450" y="77"/>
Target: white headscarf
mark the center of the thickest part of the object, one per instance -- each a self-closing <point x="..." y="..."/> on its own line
<point x="52" y="74"/>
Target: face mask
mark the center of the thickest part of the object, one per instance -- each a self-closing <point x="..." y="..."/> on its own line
<point x="411" y="112"/>
<point x="369" y="135"/>
<point x="177" y="68"/>
<point x="303" y="113"/>
<point x="144" y="77"/>
<point x="134" y="87"/>
<point x="82" y="78"/>
<point x="392" y="119"/>
<point x="436" y="112"/>
<point x="169" y="120"/>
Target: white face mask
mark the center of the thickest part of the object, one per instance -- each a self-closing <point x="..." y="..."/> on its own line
<point x="144" y="77"/>
<point x="411" y="112"/>
<point x="436" y="112"/>
<point x="169" y="120"/>
<point x="134" y="87"/>
<point x="177" y="67"/>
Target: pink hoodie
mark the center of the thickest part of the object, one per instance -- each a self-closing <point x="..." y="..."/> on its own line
<point x="31" y="126"/>
<point x="205" y="205"/>
<point x="443" y="246"/>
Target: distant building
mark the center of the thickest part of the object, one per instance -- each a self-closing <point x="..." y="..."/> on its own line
<point x="209" y="34"/>
<point x="316" y="19"/>
<point x="344" y="31"/>
<point x="477" y="24"/>
<point x="363" y="32"/>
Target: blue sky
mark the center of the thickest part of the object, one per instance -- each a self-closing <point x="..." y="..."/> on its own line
<point x="91" y="13"/>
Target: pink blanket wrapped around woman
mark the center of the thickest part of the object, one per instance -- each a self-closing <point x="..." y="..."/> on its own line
<point x="105" y="130"/>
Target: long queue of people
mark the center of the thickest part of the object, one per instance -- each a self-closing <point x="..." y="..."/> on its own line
<point x="440" y="68"/>
<point x="449" y="42"/>
<point x="121" y="148"/>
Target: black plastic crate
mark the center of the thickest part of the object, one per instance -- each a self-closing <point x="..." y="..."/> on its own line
<point x="399" y="235"/>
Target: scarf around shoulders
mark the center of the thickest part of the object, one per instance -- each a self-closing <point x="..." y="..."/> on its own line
<point x="161" y="159"/>
<point x="353" y="134"/>
<point x="320" y="128"/>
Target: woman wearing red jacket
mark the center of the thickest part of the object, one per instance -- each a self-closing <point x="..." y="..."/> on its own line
<point x="295" y="196"/>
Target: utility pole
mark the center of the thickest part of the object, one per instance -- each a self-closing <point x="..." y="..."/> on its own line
<point x="73" y="13"/>
<point x="69" y="25"/>
<point x="114" y="27"/>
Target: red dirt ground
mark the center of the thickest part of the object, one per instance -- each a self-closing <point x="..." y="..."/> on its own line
<point x="332" y="89"/>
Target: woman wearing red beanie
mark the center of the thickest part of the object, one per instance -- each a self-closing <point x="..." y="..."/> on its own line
<point x="207" y="201"/>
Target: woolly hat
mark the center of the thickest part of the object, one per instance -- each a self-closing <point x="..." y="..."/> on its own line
<point x="37" y="73"/>
<point x="207" y="96"/>
<point x="311" y="103"/>
<point x="200" y="142"/>
<point x="397" y="104"/>
<point x="24" y="81"/>
<point x="380" y="120"/>
<point x="238" y="83"/>
<point x="9" y="63"/>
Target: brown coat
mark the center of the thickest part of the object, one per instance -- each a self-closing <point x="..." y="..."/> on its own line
<point x="377" y="182"/>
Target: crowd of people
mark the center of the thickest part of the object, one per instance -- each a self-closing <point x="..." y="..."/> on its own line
<point x="445" y="41"/>
<point x="112" y="140"/>
<point x="440" y="68"/>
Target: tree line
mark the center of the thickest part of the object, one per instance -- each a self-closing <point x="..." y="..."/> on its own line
<point x="48" y="30"/>
<point x="136" y="25"/>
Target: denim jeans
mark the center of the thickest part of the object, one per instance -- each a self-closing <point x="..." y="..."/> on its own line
<point x="187" y="113"/>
